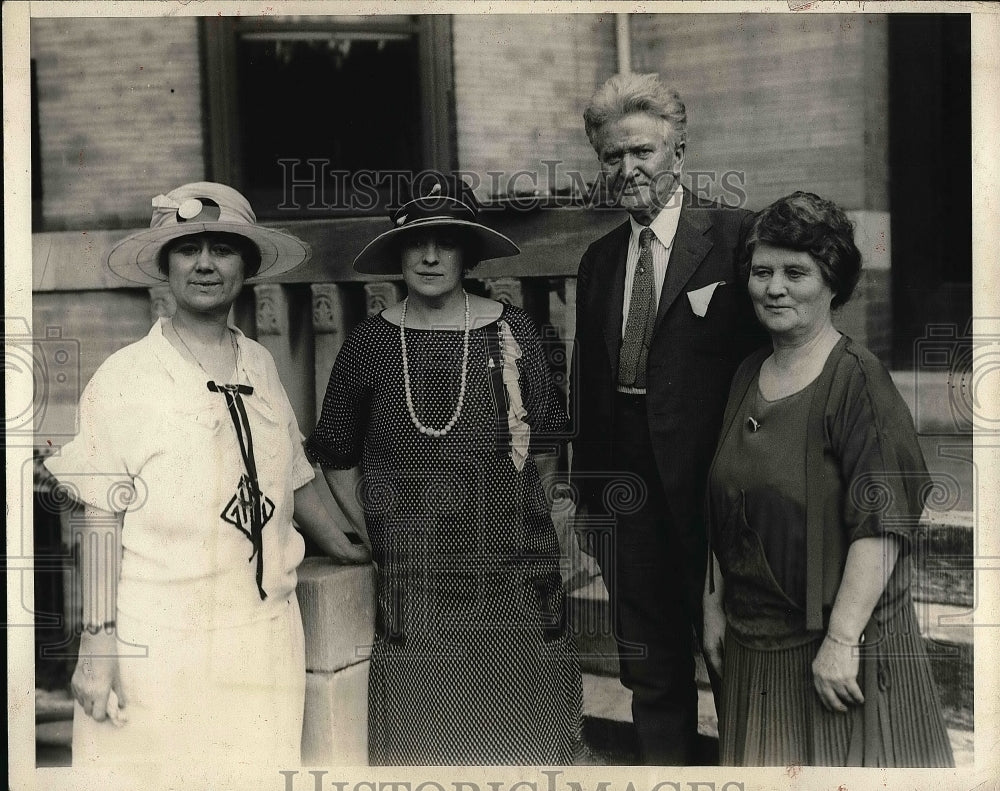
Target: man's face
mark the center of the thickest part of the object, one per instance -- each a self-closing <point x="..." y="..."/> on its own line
<point x="640" y="163"/>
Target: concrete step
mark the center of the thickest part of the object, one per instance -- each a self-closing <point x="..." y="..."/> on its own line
<point x="946" y="627"/>
<point x="608" y="731"/>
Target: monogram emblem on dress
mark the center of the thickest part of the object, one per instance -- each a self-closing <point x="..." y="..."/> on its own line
<point x="239" y="510"/>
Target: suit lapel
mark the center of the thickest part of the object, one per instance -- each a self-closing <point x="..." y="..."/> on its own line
<point x="613" y="280"/>
<point x="688" y="251"/>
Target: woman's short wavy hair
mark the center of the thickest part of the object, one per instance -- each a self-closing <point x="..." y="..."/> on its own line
<point x="471" y="248"/>
<point x="623" y="94"/>
<point x="248" y="251"/>
<point x="808" y="223"/>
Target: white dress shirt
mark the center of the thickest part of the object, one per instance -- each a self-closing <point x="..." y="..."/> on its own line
<point x="664" y="227"/>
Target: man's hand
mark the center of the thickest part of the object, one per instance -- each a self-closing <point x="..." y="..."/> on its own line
<point x="713" y="634"/>
<point x="97" y="681"/>
<point x="585" y="537"/>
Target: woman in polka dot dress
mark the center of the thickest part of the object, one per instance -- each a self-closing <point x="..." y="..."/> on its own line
<point x="443" y="402"/>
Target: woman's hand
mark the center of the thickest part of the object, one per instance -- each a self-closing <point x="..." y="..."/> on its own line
<point x="345" y="552"/>
<point x="869" y="564"/>
<point x="97" y="683"/>
<point x="315" y="520"/>
<point x="835" y="675"/>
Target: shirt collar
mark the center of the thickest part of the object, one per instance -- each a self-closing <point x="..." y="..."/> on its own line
<point x="175" y="364"/>
<point x="664" y="225"/>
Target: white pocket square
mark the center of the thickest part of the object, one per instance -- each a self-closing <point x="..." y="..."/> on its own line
<point x="701" y="297"/>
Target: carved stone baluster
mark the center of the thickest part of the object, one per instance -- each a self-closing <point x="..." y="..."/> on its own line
<point x="562" y="324"/>
<point x="161" y="302"/>
<point x="284" y="328"/>
<point x="505" y="289"/>
<point x="381" y="295"/>
<point x="329" y="324"/>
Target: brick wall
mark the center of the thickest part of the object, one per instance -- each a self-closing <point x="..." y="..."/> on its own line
<point x="795" y="102"/>
<point x="521" y="85"/>
<point x="119" y="107"/>
<point x="792" y="101"/>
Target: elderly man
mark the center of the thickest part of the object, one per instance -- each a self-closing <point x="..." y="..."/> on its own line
<point x="663" y="319"/>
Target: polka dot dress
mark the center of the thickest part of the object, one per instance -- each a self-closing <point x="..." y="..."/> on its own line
<point x="472" y="662"/>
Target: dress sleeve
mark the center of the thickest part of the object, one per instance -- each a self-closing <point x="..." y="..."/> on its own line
<point x="339" y="437"/>
<point x="302" y="471"/>
<point x="100" y="465"/>
<point x="546" y="412"/>
<point x="885" y="480"/>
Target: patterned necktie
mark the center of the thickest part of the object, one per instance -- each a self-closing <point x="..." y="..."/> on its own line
<point x="641" y="316"/>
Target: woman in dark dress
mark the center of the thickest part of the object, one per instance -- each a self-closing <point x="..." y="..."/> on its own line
<point x="817" y="479"/>
<point x="434" y="413"/>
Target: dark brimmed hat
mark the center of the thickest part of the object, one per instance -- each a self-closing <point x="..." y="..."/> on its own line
<point x="381" y="257"/>
<point x="201" y="207"/>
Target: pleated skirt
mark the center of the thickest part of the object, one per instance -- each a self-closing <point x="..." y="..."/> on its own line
<point x="206" y="698"/>
<point x="771" y="715"/>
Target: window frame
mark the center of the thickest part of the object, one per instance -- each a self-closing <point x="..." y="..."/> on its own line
<point x="220" y="111"/>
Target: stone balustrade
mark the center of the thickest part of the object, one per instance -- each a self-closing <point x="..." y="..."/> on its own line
<point x="303" y="326"/>
<point x="337" y="604"/>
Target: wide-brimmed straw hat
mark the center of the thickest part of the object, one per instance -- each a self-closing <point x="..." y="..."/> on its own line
<point x="381" y="255"/>
<point x="203" y="206"/>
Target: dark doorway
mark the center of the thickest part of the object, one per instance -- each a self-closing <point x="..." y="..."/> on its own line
<point x="930" y="193"/>
<point x="319" y="116"/>
<point x="319" y="112"/>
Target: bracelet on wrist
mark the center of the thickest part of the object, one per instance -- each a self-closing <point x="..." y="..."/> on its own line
<point x="97" y="628"/>
<point x="839" y="641"/>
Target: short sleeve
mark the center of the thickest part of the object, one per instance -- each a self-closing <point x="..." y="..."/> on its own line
<point x="301" y="470"/>
<point x="339" y="436"/>
<point x="99" y="466"/>
<point x="543" y="401"/>
<point x="884" y="476"/>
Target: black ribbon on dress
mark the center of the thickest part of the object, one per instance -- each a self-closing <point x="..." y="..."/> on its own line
<point x="234" y="401"/>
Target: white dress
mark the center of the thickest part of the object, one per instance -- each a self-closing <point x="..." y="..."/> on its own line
<point x="210" y="637"/>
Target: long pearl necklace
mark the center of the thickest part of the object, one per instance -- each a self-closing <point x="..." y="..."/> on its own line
<point x="434" y="432"/>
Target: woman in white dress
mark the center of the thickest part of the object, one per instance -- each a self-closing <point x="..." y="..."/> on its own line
<point x="189" y="466"/>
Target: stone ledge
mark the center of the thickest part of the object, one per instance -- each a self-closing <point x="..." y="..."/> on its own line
<point x="335" y="723"/>
<point x="931" y="398"/>
<point x="53" y="705"/>
<point x="338" y="613"/>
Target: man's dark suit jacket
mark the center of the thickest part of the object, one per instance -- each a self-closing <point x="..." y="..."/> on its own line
<point x="690" y="365"/>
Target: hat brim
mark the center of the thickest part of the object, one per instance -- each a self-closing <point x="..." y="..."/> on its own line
<point x="381" y="255"/>
<point x="136" y="257"/>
